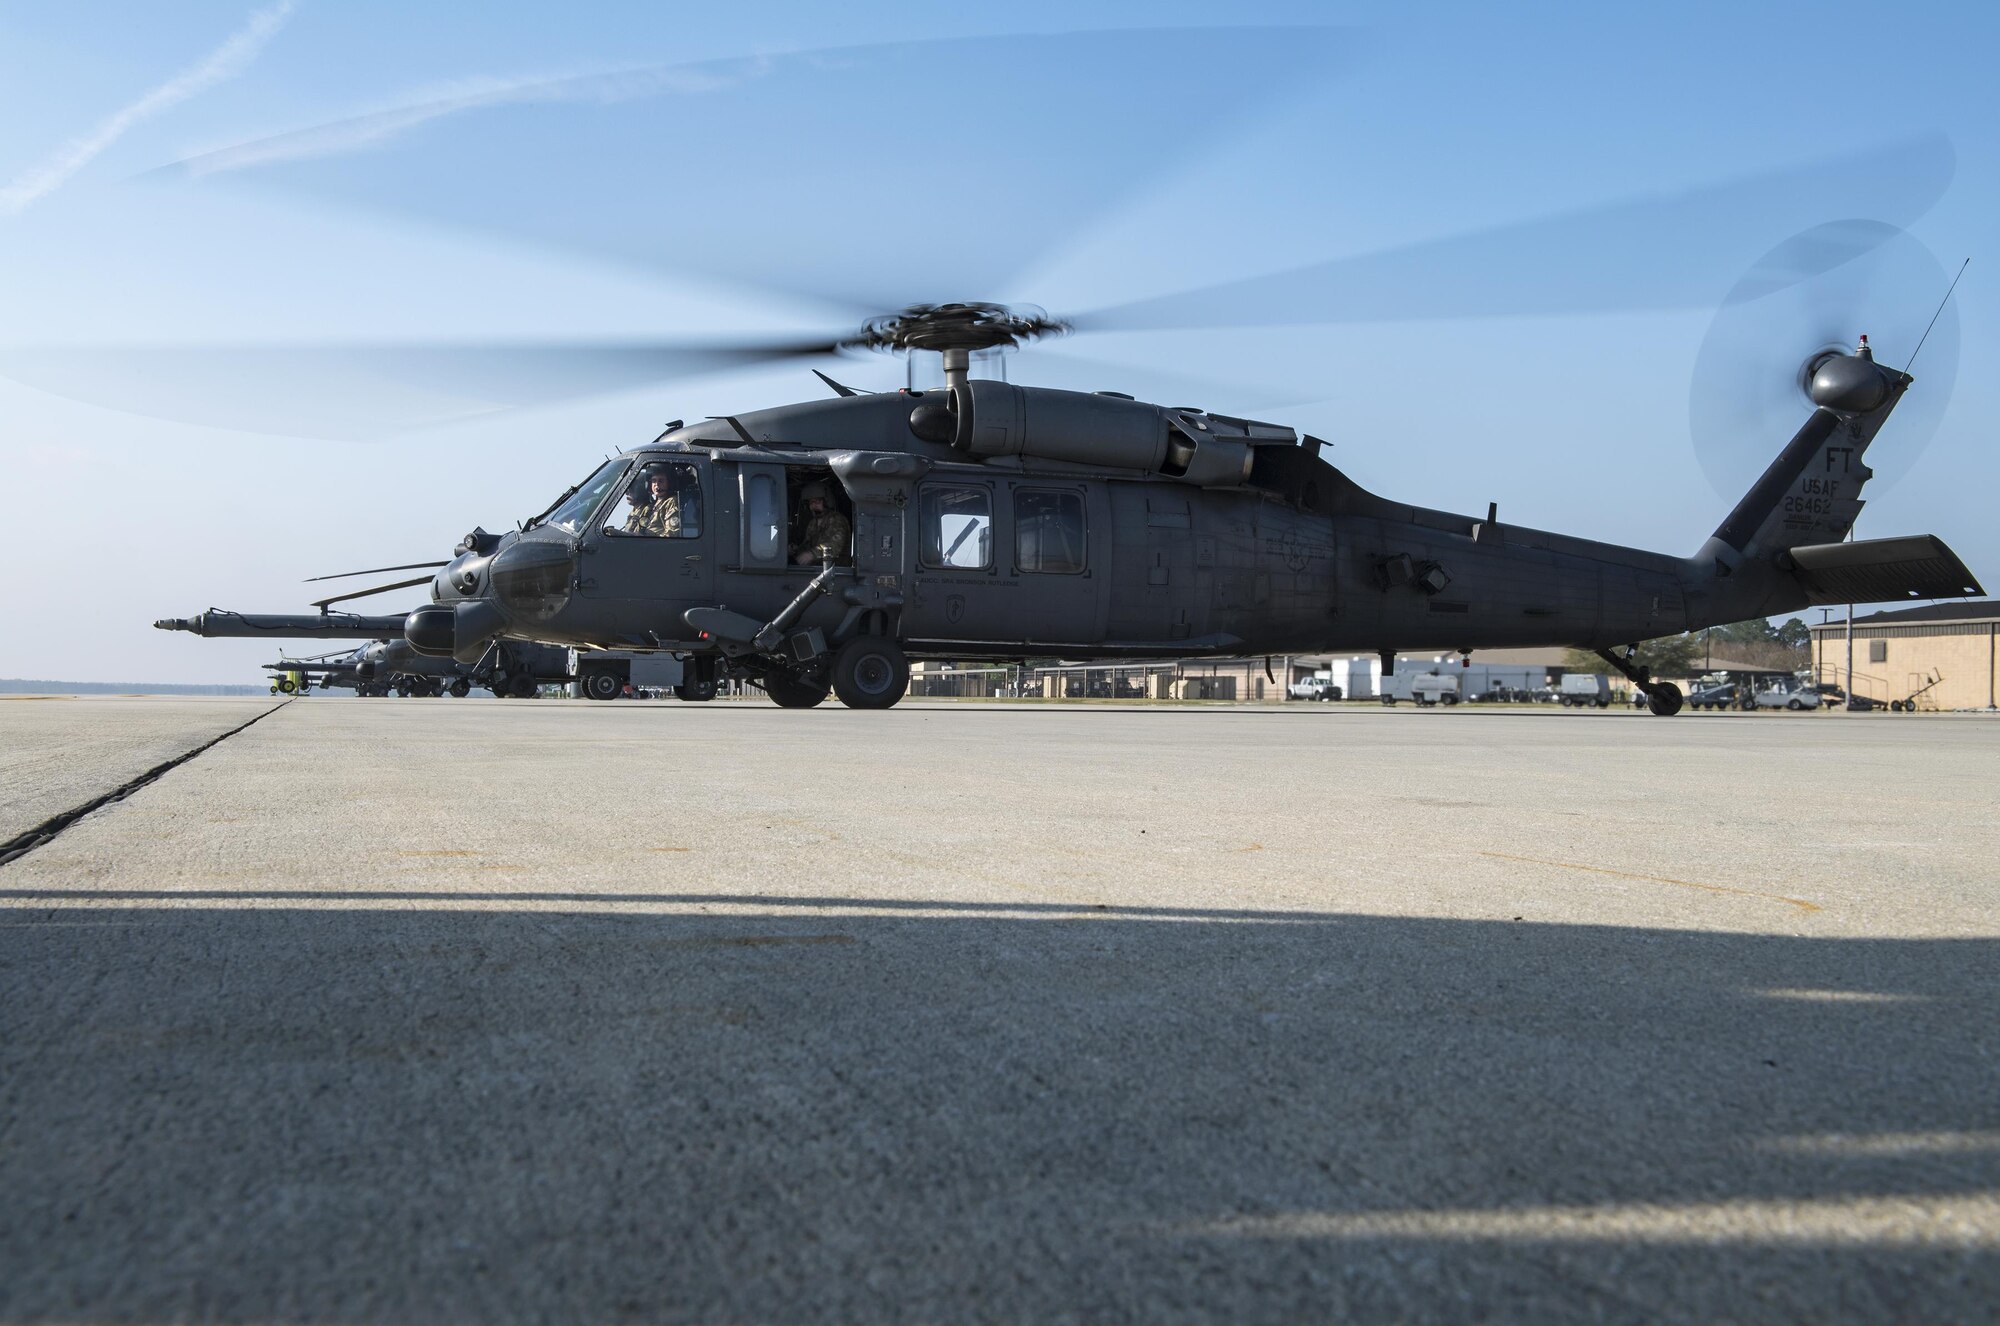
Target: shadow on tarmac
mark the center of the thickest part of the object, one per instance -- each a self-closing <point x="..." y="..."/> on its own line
<point x="414" y="1113"/>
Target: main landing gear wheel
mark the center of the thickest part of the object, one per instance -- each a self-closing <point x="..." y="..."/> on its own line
<point x="460" y="689"/>
<point x="870" y="673"/>
<point x="600" y="684"/>
<point x="789" y="691"/>
<point x="1664" y="699"/>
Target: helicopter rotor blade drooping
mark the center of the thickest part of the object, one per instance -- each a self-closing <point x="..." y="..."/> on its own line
<point x="407" y="566"/>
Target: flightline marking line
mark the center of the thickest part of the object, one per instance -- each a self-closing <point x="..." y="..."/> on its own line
<point x="22" y="844"/>
<point x="1799" y="903"/>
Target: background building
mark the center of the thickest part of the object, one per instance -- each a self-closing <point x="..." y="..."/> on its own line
<point x="1941" y="653"/>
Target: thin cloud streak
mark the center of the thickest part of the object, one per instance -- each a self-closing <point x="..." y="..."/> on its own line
<point x="371" y="130"/>
<point x="224" y="62"/>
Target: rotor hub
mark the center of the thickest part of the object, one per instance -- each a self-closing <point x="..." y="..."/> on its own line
<point x="970" y="327"/>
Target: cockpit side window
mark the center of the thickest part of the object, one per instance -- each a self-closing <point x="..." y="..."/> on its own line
<point x="573" y="512"/>
<point x="663" y="501"/>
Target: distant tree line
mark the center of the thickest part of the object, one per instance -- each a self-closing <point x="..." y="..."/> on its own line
<point x="1785" y="648"/>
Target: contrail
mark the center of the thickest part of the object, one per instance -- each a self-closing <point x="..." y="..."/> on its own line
<point x="225" y="61"/>
<point x="377" y="127"/>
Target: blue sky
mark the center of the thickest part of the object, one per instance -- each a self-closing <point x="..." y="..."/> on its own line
<point x="797" y="162"/>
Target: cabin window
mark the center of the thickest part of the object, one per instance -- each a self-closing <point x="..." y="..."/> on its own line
<point x="957" y="521"/>
<point x="663" y="501"/>
<point x="1048" y="531"/>
<point x="763" y="518"/>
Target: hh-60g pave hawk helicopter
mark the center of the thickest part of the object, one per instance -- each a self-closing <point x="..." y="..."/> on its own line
<point x="391" y="667"/>
<point x="514" y="669"/>
<point x="994" y="521"/>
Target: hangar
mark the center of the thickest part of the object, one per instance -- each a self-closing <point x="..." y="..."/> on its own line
<point x="1942" y="654"/>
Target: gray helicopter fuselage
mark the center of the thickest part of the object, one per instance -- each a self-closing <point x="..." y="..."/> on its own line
<point x="1277" y="553"/>
<point x="1019" y="522"/>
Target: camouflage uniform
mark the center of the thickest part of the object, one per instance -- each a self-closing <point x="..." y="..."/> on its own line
<point x="661" y="519"/>
<point x="826" y="537"/>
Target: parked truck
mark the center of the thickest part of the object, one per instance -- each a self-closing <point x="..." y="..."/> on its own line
<point x="1585" y="689"/>
<point x="1425" y="689"/>
<point x="1319" y="686"/>
<point x="606" y="674"/>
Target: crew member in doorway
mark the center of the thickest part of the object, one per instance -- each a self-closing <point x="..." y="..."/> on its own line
<point x="826" y="534"/>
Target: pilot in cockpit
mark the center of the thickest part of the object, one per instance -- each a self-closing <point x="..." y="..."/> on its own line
<point x="656" y="510"/>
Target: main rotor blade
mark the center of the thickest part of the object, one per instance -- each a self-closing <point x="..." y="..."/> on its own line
<point x="355" y="392"/>
<point x="375" y="570"/>
<point x="979" y="155"/>
<point x="1654" y="252"/>
<point x="321" y="604"/>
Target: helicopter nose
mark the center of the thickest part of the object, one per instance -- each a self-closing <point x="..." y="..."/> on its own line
<point x="532" y="579"/>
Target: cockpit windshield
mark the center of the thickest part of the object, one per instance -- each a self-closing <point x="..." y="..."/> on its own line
<point x="571" y="513"/>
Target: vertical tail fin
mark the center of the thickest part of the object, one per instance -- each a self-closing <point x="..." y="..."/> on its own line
<point x="1812" y="492"/>
<point x="1782" y="548"/>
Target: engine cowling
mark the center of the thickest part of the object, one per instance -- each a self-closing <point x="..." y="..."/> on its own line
<point x="1085" y="428"/>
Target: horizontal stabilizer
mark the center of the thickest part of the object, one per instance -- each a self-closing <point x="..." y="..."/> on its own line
<point x="1916" y="566"/>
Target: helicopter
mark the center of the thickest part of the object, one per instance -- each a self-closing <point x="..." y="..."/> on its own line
<point x="362" y="671"/>
<point x="996" y="521"/>
<point x="511" y="669"/>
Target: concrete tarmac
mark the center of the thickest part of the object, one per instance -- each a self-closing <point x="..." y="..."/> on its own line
<point x="423" y="1010"/>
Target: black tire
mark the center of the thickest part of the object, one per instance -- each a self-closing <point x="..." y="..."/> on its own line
<point x="460" y="689"/>
<point x="788" y="691"/>
<point x="521" y="687"/>
<point x="1664" y="700"/>
<point x="696" y="690"/>
<point x="602" y="684"/>
<point x="870" y="673"/>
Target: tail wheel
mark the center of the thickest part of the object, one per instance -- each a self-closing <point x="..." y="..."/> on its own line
<point x="1664" y="699"/>
<point x="869" y="672"/>
<point x="521" y="687"/>
<point x="790" y="691"/>
<point x="601" y="684"/>
<point x="696" y="690"/>
<point x="460" y="689"/>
